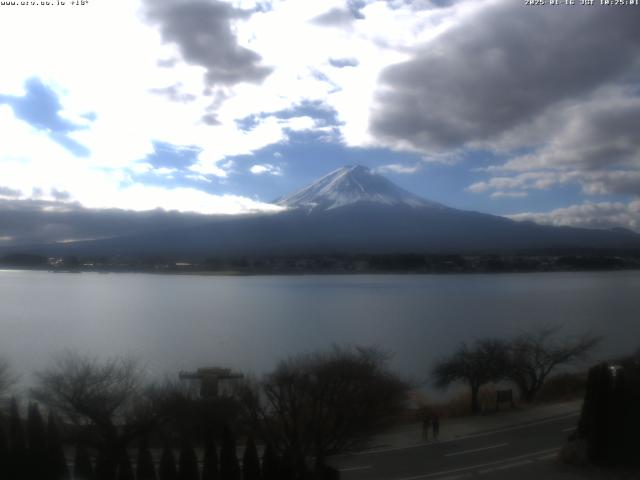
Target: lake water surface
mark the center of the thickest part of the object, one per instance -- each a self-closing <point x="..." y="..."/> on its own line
<point x="175" y="322"/>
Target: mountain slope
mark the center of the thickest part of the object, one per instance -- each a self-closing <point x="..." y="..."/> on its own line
<point x="353" y="210"/>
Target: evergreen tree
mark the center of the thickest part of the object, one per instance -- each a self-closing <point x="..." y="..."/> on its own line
<point x="106" y="466"/>
<point x="250" y="461"/>
<point x="188" y="462"/>
<point x="229" y="467"/>
<point x="82" y="468"/>
<point x="286" y="467"/>
<point x="125" y="472"/>
<point x="4" y="454"/>
<point x="269" y="464"/>
<point x="145" y="469"/>
<point x="168" y="469"/>
<point x="17" y="445"/>
<point x="39" y="468"/>
<point x="210" y="467"/>
<point x="57" y="462"/>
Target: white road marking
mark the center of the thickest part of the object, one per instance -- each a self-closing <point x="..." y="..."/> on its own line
<point x="473" y="435"/>
<point x="473" y="467"/>
<point x="570" y="429"/>
<point x="549" y="456"/>
<point x="476" y="450"/>
<point x="456" y="477"/>
<point x="351" y="469"/>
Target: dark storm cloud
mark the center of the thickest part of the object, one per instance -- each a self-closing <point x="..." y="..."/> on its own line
<point x="501" y="68"/>
<point x="38" y="221"/>
<point x="201" y="29"/>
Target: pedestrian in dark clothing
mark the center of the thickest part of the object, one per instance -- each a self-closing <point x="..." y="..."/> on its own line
<point x="425" y="428"/>
<point x="436" y="427"/>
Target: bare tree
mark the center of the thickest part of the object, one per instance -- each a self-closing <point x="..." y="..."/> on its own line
<point x="535" y="354"/>
<point x="7" y="380"/>
<point x="319" y="404"/>
<point x="182" y="409"/>
<point x="483" y="362"/>
<point x="104" y="394"/>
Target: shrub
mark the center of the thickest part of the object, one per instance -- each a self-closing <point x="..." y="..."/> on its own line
<point x="210" y="469"/>
<point x="564" y="386"/>
<point x="82" y="468"/>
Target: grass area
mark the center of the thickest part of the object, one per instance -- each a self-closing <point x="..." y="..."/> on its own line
<point x="558" y="388"/>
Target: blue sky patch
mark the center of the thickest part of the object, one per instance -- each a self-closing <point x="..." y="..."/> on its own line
<point x="321" y="113"/>
<point x="166" y="155"/>
<point x="40" y="107"/>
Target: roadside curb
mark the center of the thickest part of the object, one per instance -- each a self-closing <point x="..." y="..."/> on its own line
<point x="524" y="424"/>
<point x="475" y="433"/>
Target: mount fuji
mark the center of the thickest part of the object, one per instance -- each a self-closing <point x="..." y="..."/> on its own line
<point x="354" y="210"/>
<point x="351" y="185"/>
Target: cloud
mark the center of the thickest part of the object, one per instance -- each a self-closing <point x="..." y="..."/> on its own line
<point x="43" y="221"/>
<point x="343" y="62"/>
<point x="612" y="182"/>
<point x="398" y="168"/>
<point x="500" y="194"/>
<point x="133" y="111"/>
<point x="336" y="17"/>
<point x="418" y="5"/>
<point x="547" y="104"/>
<point x="212" y="80"/>
<point x="267" y="131"/>
<point x="589" y="215"/>
<point x="202" y="31"/>
<point x="540" y="180"/>
<point x="60" y="195"/>
<point x="9" y="192"/>
<point x="500" y="68"/>
<point x="595" y="145"/>
<point x="39" y="221"/>
<point x="174" y="93"/>
<point x="595" y="134"/>
<point x="266" y="168"/>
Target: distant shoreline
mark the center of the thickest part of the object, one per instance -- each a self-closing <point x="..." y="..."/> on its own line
<point x="230" y="273"/>
<point x="331" y="264"/>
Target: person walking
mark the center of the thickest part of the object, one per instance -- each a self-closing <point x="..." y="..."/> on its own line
<point x="436" y="427"/>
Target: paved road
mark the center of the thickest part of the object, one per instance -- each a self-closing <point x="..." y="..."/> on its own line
<point x="497" y="454"/>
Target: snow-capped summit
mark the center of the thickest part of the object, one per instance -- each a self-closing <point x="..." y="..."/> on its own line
<point x="352" y="185"/>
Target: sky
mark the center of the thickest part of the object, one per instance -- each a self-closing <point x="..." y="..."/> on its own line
<point x="115" y="114"/>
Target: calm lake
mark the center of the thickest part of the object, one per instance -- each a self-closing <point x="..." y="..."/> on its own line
<point x="176" y="322"/>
